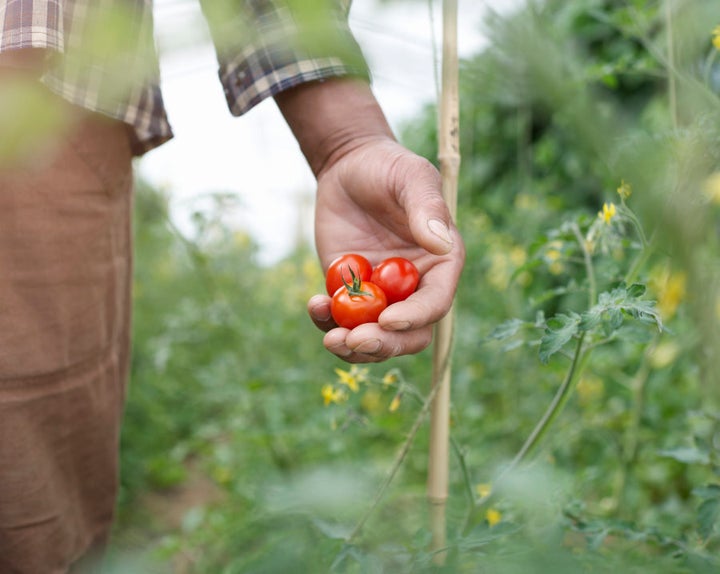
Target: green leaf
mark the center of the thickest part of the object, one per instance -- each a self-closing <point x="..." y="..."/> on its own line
<point x="613" y="306"/>
<point x="708" y="491"/>
<point x="560" y="329"/>
<point x="512" y="345"/>
<point x="615" y="318"/>
<point x="506" y="330"/>
<point x="636" y="290"/>
<point x="590" y="319"/>
<point x="334" y="530"/>
<point x="708" y="517"/>
<point x="686" y="455"/>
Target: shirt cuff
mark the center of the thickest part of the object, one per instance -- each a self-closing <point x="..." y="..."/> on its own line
<point x="283" y="54"/>
<point x="247" y="83"/>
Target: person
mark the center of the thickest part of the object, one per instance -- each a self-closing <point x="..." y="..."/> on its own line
<point x="65" y="231"/>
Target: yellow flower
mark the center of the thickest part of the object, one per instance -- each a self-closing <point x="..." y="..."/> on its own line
<point x="712" y="187"/>
<point x="493" y="516"/>
<point x="352" y="378"/>
<point x="625" y="189"/>
<point x="553" y="255"/>
<point x="394" y="404"/>
<point x="483" y="490"/>
<point x="670" y="289"/>
<point x="672" y="295"/>
<point x="716" y="37"/>
<point x="608" y="212"/>
<point x="390" y="378"/>
<point x="332" y="395"/>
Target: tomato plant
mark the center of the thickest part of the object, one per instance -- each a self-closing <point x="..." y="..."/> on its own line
<point x="343" y="270"/>
<point x="397" y="277"/>
<point x="357" y="303"/>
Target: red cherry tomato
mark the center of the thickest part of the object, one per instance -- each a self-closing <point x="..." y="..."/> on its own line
<point x="340" y="269"/>
<point x="360" y="303"/>
<point x="397" y="277"/>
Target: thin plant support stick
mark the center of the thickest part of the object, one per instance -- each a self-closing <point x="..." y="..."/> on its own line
<point x="672" y="80"/>
<point x="449" y="157"/>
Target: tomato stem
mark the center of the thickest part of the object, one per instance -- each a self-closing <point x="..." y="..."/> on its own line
<point x="354" y="288"/>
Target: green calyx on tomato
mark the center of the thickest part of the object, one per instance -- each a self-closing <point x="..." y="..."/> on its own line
<point x="354" y="287"/>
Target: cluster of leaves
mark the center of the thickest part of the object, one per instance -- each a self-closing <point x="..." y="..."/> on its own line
<point x="607" y="317"/>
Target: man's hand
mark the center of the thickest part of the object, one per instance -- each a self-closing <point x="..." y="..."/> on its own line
<point x="378" y="199"/>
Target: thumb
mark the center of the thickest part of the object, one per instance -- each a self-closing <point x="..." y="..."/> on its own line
<point x="428" y="216"/>
<point x="437" y="237"/>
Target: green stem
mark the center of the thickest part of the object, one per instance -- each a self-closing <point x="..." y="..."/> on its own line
<point x="397" y="463"/>
<point x="553" y="410"/>
<point x="640" y="260"/>
<point x="628" y="213"/>
<point x="561" y="397"/>
<point x="464" y="469"/>
<point x="590" y="270"/>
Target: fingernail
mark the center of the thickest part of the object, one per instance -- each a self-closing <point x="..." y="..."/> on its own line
<point x="321" y="313"/>
<point x="368" y="347"/>
<point x="439" y="229"/>
<point x="398" y="326"/>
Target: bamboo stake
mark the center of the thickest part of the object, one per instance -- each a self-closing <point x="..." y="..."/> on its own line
<point x="449" y="157"/>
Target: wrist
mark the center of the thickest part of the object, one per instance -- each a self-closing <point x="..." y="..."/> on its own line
<point x="332" y="118"/>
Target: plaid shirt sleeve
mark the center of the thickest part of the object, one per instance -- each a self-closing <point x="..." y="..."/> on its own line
<point x="273" y="45"/>
<point x="31" y="24"/>
<point x="263" y="47"/>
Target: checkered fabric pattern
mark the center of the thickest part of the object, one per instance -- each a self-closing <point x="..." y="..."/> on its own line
<point x="101" y="53"/>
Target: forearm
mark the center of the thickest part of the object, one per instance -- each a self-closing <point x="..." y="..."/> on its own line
<point x="331" y="118"/>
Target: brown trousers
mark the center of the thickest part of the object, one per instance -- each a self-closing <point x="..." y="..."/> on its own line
<point x="65" y="274"/>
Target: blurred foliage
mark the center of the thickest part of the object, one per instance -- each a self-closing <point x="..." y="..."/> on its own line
<point x="590" y="208"/>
